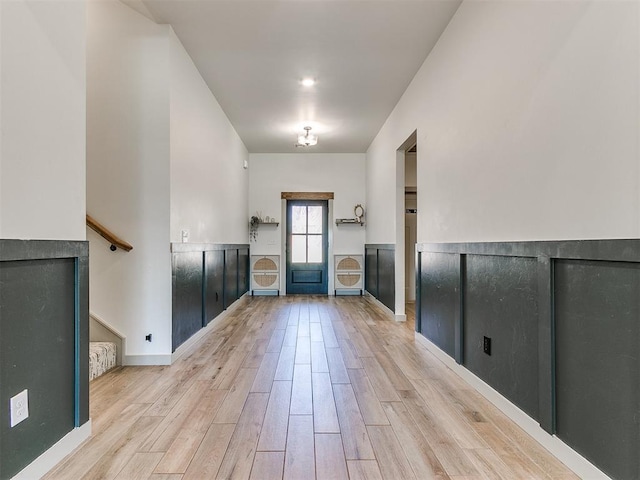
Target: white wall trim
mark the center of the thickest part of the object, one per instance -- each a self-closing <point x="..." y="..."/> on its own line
<point x="63" y="447"/>
<point x="398" y="317"/>
<point x="146" y="360"/>
<point x="572" y="459"/>
<point x="106" y="325"/>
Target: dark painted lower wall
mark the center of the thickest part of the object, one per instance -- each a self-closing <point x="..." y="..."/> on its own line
<point x="379" y="273"/>
<point x="206" y="280"/>
<point x="44" y="345"/>
<point x="564" y="323"/>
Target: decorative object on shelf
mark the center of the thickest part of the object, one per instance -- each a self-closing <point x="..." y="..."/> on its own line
<point x="307" y="139"/>
<point x="253" y="228"/>
<point x="358" y="211"/>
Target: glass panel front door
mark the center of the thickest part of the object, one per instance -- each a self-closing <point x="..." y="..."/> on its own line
<point x="307" y="246"/>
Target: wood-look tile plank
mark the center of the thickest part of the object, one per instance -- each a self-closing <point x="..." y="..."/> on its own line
<point x="421" y="457"/>
<point x="284" y="370"/>
<point x="168" y="429"/>
<point x="329" y="336"/>
<point x="381" y="383"/>
<point x="451" y="456"/>
<point x="330" y="461"/>
<point x="364" y="470"/>
<point x="165" y="476"/>
<point x="273" y="436"/>
<point x="370" y="407"/>
<point x="233" y="404"/>
<point x="120" y="452"/>
<point x="337" y="369"/>
<point x="301" y="394"/>
<point x="299" y="457"/>
<point x="268" y="466"/>
<point x="325" y="416"/>
<point x="140" y="467"/>
<point x="208" y="458"/>
<point x="316" y="332"/>
<point x="186" y="443"/>
<point x="393" y="372"/>
<point x="319" y="357"/>
<point x="238" y="459"/>
<point x="349" y="354"/>
<point x="291" y="336"/>
<point x="94" y="449"/>
<point x="303" y="351"/>
<point x="266" y="372"/>
<point x="275" y="343"/>
<point x="391" y="458"/>
<point x="354" y="433"/>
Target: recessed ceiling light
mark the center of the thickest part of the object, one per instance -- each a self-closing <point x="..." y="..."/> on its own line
<point x="308" y="82"/>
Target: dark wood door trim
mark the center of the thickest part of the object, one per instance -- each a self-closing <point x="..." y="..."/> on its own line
<point x="307" y="196"/>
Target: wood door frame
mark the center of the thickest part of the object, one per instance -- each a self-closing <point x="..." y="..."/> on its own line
<point x="284" y="196"/>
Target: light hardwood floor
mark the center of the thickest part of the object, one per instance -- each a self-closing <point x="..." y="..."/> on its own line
<point x="302" y="387"/>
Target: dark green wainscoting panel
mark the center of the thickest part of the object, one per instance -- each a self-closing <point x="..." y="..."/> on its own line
<point x="207" y="279"/>
<point x="598" y="357"/>
<point x="379" y="273"/>
<point x="440" y="299"/>
<point x="230" y="276"/>
<point x="43" y="345"/>
<point x="187" y="283"/>
<point x="214" y="284"/>
<point x="500" y="302"/>
<point x="563" y="318"/>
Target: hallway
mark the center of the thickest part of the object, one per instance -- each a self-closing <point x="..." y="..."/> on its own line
<point x="301" y="387"/>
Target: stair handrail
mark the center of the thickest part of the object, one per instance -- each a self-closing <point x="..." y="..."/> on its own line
<point x="115" y="241"/>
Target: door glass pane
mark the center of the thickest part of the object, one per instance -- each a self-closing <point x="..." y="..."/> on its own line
<point x="315" y="248"/>
<point x="298" y="219"/>
<point x="298" y="248"/>
<point x="315" y="220"/>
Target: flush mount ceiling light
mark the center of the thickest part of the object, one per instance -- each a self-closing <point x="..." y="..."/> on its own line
<point x="308" y="82"/>
<point x="307" y="139"/>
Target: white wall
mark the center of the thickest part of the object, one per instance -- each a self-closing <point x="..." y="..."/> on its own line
<point x="527" y="116"/>
<point x="272" y="174"/>
<point x="128" y="173"/>
<point x="42" y="115"/>
<point x="209" y="186"/>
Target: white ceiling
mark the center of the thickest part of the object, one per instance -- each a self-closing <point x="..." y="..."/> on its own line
<point x="253" y="54"/>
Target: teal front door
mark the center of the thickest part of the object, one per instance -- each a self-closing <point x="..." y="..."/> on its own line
<point x="307" y="246"/>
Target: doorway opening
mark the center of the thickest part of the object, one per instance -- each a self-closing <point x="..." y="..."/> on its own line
<point x="410" y="228"/>
<point x="307" y="246"/>
<point x="406" y="200"/>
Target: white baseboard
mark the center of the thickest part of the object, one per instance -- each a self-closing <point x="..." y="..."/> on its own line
<point x="146" y="360"/>
<point x="189" y="344"/>
<point x="398" y="317"/>
<point x="50" y="458"/>
<point x="192" y="341"/>
<point x="572" y="459"/>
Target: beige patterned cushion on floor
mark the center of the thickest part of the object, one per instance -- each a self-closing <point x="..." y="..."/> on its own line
<point x="102" y="357"/>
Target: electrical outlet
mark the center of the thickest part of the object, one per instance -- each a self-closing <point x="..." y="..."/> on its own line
<point x="486" y="346"/>
<point x="19" y="406"/>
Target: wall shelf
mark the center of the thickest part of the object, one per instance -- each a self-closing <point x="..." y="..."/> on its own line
<point x="349" y="221"/>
